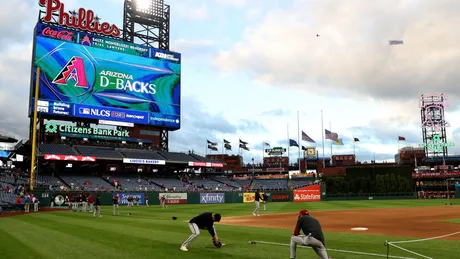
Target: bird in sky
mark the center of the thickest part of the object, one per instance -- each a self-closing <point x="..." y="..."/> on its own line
<point x="317" y="35"/>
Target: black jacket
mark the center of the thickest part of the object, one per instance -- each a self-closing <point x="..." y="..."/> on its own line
<point x="309" y="225"/>
<point x="205" y="221"/>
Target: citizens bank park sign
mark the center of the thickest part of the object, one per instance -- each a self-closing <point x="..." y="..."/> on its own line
<point x="82" y="19"/>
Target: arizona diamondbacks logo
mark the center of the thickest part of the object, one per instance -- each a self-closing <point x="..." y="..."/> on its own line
<point x="59" y="200"/>
<point x="74" y="70"/>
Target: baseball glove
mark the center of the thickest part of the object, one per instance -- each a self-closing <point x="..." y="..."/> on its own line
<point x="217" y="243"/>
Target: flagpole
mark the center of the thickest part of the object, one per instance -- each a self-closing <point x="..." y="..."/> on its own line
<point x="222" y="150"/>
<point x="288" y="143"/>
<point x="263" y="153"/>
<point x="298" y="139"/>
<point x="354" y="151"/>
<point x="330" y="129"/>
<point x="322" y="134"/>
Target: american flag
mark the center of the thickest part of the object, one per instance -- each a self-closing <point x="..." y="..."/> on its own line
<point x="305" y="137"/>
<point x="331" y="135"/>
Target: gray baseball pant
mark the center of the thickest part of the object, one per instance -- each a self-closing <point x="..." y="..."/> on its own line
<point x="256" y="211"/>
<point x="314" y="243"/>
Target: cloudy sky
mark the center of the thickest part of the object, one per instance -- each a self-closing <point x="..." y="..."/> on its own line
<point x="248" y="66"/>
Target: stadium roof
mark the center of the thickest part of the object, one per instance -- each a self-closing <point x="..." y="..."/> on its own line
<point x="7" y="139"/>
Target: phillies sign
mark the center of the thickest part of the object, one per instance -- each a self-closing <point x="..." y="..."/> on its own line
<point x="83" y="19"/>
<point x="70" y="158"/>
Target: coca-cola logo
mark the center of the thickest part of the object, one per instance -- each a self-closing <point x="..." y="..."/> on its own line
<point x="60" y="35"/>
<point x="83" y="19"/>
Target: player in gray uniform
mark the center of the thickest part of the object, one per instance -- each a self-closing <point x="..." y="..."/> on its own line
<point x="257" y="203"/>
<point x="313" y="237"/>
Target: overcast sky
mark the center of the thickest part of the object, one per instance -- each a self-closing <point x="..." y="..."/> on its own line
<point x="248" y="66"/>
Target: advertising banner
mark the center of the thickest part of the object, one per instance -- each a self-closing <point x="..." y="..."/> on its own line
<point x="279" y="197"/>
<point x="249" y="196"/>
<point x="125" y="195"/>
<point x="174" y="198"/>
<point x="70" y="158"/>
<point x="212" y="198"/>
<point x="206" y="164"/>
<point x="143" y="161"/>
<point x="84" y="81"/>
<point x="306" y="194"/>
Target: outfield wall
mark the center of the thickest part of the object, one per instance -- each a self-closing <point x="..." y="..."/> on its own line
<point x="309" y="195"/>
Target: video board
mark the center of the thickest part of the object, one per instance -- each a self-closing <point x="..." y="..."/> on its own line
<point x="95" y="77"/>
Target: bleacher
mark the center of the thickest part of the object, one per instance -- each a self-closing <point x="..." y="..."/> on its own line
<point x="56" y="149"/>
<point x="7" y="198"/>
<point x="270" y="184"/>
<point x="299" y="183"/>
<point x="169" y="183"/>
<point x="210" y="185"/>
<point x="78" y="182"/>
<point x="133" y="184"/>
<point x="44" y="179"/>
<point x="226" y="180"/>
<point x="99" y="152"/>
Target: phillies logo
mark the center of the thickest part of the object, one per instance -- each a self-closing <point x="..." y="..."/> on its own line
<point x="75" y="70"/>
<point x="60" y="35"/>
<point x="83" y="19"/>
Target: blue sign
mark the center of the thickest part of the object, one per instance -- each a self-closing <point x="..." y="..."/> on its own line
<point x="212" y="198"/>
<point x="125" y="195"/>
<point x="105" y="113"/>
<point x="101" y="78"/>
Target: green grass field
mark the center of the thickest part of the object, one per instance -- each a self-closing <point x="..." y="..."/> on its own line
<point x="150" y="233"/>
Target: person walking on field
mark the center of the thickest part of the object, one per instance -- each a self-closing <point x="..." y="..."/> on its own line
<point x="98" y="207"/>
<point x="147" y="201"/>
<point x="91" y="202"/>
<point x="257" y="203"/>
<point x="115" y="205"/>
<point x="313" y="235"/>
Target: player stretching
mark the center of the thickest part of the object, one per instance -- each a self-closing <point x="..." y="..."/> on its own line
<point x="202" y="221"/>
<point x="256" y="202"/>
<point x="98" y="207"/>
<point x="313" y="235"/>
<point x="163" y="202"/>
<point x="265" y="199"/>
<point x="115" y="205"/>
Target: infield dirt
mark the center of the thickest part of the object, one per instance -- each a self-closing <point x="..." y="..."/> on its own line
<point x="403" y="222"/>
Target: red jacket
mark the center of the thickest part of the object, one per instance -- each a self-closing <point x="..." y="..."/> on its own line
<point x="90" y="199"/>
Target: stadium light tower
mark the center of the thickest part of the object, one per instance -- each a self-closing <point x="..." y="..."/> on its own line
<point x="147" y="22"/>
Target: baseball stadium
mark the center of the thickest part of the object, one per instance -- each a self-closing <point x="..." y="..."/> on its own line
<point x="96" y="177"/>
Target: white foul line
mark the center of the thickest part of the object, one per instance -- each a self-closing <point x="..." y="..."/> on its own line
<point x="338" y="250"/>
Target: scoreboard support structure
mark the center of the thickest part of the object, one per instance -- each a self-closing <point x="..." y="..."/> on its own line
<point x="149" y="24"/>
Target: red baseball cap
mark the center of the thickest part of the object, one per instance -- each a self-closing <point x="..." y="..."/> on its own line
<point x="303" y="212"/>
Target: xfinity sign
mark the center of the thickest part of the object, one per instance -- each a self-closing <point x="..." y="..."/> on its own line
<point x="166" y="56"/>
<point x="212" y="198"/>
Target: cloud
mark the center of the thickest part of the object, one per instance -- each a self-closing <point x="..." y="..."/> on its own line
<point x="190" y="11"/>
<point x="192" y="46"/>
<point x="199" y="125"/>
<point x="352" y="56"/>
<point x="15" y="22"/>
<point x="276" y="112"/>
<point x="234" y="3"/>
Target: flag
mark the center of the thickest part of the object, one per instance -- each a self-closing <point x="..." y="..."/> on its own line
<point x="243" y="146"/>
<point x="293" y="143"/>
<point x="304" y="148"/>
<point x="331" y="135"/>
<point x="227" y="146"/>
<point x="338" y="142"/>
<point x="305" y="137"/>
<point x="212" y="143"/>
<point x="356" y="139"/>
<point x="243" y="142"/>
<point x="212" y="147"/>
<point x="401" y="138"/>
<point x="266" y="144"/>
<point x="226" y="141"/>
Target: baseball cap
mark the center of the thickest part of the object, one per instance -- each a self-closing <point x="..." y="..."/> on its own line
<point x="217" y="217"/>
<point x="303" y="212"/>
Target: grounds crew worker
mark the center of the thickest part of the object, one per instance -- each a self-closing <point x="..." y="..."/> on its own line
<point x="313" y="235"/>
